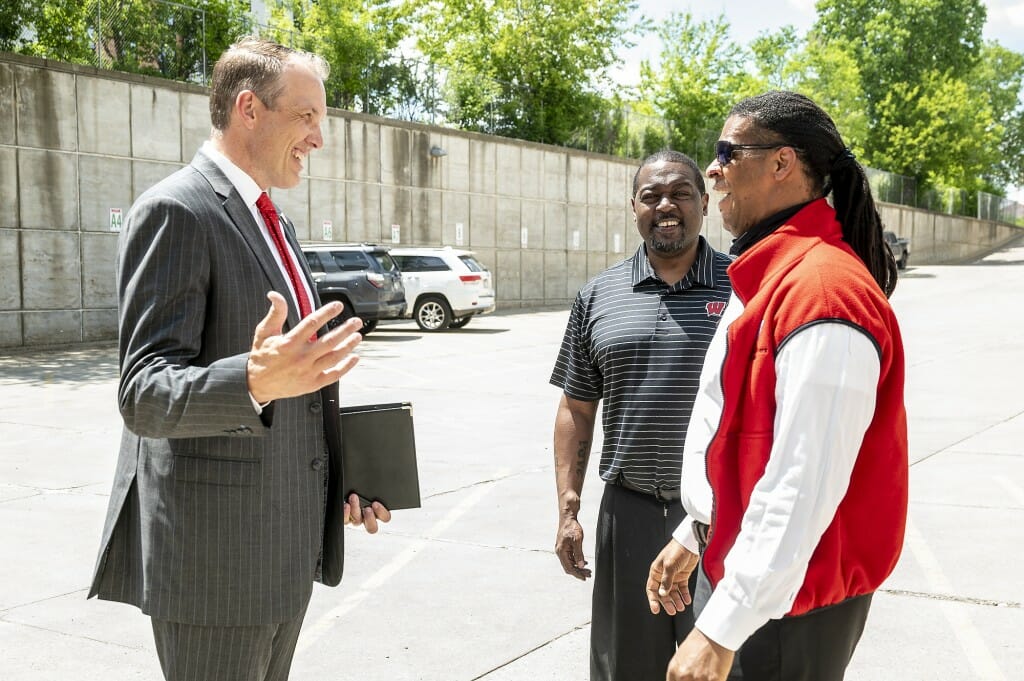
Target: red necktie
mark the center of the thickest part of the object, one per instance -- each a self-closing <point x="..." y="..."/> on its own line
<point x="266" y="208"/>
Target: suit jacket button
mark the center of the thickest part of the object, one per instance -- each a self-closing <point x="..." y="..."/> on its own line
<point x="315" y="407"/>
<point x="317" y="464"/>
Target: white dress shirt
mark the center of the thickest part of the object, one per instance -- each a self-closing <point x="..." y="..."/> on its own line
<point x="826" y="387"/>
<point x="250" y="193"/>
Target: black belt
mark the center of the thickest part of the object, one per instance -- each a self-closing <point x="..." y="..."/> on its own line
<point x="700" y="532"/>
<point x="663" y="495"/>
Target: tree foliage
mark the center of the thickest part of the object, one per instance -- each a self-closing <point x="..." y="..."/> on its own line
<point x="828" y="73"/>
<point x="531" y="69"/>
<point x="52" y="29"/>
<point x="13" y="18"/>
<point x="139" y="36"/>
<point x="359" y="39"/>
<point x="910" y="83"/>
<point x="700" y="75"/>
<point x="916" y="61"/>
<point x="900" y="41"/>
<point x="998" y="79"/>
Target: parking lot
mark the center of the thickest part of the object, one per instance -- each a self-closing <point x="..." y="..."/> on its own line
<point x="468" y="587"/>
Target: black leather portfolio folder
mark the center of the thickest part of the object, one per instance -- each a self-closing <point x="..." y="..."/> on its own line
<point x="379" y="454"/>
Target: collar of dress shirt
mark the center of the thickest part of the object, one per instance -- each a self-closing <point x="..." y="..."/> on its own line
<point x="246" y="186"/>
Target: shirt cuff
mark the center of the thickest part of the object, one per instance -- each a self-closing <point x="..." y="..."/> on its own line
<point x="727" y="622"/>
<point x="257" y="406"/>
<point x="685" y="536"/>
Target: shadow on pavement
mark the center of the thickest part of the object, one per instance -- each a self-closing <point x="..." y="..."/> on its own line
<point x="59" y="365"/>
<point x="466" y="331"/>
<point x="381" y="335"/>
<point x="913" y="273"/>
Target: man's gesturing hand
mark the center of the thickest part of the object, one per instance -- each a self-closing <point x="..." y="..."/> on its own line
<point x="667" y="582"/>
<point x="288" y="365"/>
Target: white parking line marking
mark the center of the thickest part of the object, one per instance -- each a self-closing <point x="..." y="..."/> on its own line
<point x="312" y="634"/>
<point x="975" y="650"/>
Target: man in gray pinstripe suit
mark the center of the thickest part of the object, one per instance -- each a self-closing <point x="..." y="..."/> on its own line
<point x="226" y="503"/>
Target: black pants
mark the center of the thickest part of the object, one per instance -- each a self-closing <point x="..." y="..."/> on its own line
<point x="815" y="646"/>
<point x="627" y="642"/>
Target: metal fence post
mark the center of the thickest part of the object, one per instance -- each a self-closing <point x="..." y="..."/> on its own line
<point x="206" y="81"/>
<point x="99" y="35"/>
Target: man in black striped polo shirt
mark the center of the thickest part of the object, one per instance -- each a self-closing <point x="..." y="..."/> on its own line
<point x="636" y="338"/>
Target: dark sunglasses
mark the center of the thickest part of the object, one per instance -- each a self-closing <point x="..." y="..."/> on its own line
<point x="724" y="150"/>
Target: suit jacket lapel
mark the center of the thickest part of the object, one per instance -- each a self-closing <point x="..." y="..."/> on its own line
<point x="242" y="219"/>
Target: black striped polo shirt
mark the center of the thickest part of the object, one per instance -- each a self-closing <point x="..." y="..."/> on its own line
<point x="638" y="344"/>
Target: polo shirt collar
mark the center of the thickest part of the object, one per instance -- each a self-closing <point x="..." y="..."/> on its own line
<point x="701" y="273"/>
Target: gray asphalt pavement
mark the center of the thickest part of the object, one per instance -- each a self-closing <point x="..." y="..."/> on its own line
<point x="468" y="587"/>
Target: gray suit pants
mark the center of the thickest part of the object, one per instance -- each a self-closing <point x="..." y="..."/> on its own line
<point x="191" y="652"/>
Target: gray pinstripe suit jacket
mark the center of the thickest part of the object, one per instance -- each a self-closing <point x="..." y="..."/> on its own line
<point x="215" y="518"/>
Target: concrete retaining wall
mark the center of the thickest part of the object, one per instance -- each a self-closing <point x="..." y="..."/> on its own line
<point x="78" y="144"/>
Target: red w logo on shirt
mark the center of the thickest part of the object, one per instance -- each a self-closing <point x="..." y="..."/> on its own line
<point x="715" y="308"/>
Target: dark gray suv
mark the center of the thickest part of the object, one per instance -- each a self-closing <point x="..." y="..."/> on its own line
<point x="362" y="276"/>
<point x="900" y="248"/>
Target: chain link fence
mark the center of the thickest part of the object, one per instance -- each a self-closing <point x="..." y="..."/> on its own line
<point x="903" y="190"/>
<point x="891" y="187"/>
<point x="624" y="132"/>
<point x="160" y="37"/>
<point x="1000" y="209"/>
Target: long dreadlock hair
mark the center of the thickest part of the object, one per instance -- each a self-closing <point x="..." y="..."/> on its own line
<point x="796" y="121"/>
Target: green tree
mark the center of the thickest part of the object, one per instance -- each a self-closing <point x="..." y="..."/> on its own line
<point x="14" y="17"/>
<point x="170" y="40"/>
<point x="701" y="74"/>
<point x="774" y="63"/>
<point x="359" y="40"/>
<point x="60" y="30"/>
<point x="141" y="36"/>
<point x="531" y="69"/>
<point x="998" y="79"/>
<point x="915" y="60"/>
<point x="828" y="73"/>
<point x="901" y="41"/>
<point x="943" y="138"/>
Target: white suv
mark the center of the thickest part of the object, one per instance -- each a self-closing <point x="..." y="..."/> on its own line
<point x="444" y="287"/>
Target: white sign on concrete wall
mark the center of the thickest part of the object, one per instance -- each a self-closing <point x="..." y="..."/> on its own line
<point x="116" y="218"/>
<point x="328" y="230"/>
<point x="396" y="234"/>
<point x="575" y="239"/>
<point x="524" y="237"/>
<point x="617" y="243"/>
<point x="460" y="234"/>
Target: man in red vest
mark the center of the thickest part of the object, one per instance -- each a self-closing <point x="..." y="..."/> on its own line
<point x="799" y="425"/>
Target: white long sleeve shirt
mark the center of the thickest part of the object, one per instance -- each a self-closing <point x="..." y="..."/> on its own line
<point x="827" y="378"/>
